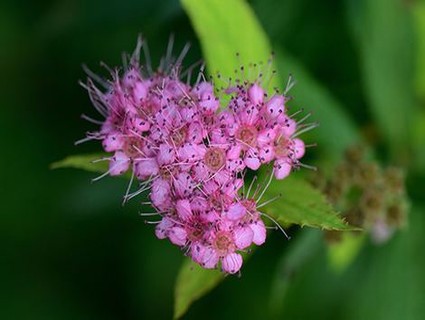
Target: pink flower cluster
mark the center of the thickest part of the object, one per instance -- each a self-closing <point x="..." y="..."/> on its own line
<point x="191" y="154"/>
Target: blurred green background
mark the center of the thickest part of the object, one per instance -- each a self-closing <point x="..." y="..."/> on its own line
<point x="69" y="250"/>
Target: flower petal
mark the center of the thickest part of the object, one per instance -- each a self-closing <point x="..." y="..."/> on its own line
<point x="259" y="230"/>
<point x="183" y="209"/>
<point x="282" y="169"/>
<point x="162" y="229"/>
<point x="243" y="237"/>
<point x="113" y="142"/>
<point x="144" y="168"/>
<point x="166" y="154"/>
<point x="119" y="164"/>
<point x="178" y="236"/>
<point x="236" y="211"/>
<point x="256" y="94"/>
<point x="160" y="192"/>
<point x="276" y="106"/>
<point x="232" y="263"/>
<point x="299" y="148"/>
<point x="205" y="256"/>
<point x="252" y="161"/>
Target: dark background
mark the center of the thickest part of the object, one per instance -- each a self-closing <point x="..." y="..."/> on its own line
<point x="69" y="250"/>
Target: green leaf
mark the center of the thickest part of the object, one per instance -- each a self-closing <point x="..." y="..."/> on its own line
<point x="83" y="161"/>
<point x="419" y="19"/>
<point x="386" y="282"/>
<point x="192" y="283"/>
<point x="300" y="204"/>
<point x="305" y="246"/>
<point x="418" y="141"/>
<point x="419" y="123"/>
<point x="222" y="35"/>
<point x="226" y="28"/>
<point x="384" y="33"/>
<point x="337" y="131"/>
<point x="303" y="205"/>
<point x="341" y="254"/>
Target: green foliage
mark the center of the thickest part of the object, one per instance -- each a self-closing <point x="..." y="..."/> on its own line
<point x="83" y="161"/>
<point x="221" y="37"/>
<point x="383" y="30"/>
<point x="419" y="121"/>
<point x="343" y="252"/>
<point x="382" y="283"/>
<point x="418" y="140"/>
<point x="419" y="24"/>
<point x="337" y="130"/>
<point x="192" y="283"/>
<point x="212" y="22"/>
<point x="303" y="205"/>
<point x="226" y="28"/>
<point x="385" y="282"/>
<point x="301" y="251"/>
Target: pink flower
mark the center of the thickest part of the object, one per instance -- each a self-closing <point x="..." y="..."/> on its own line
<point x="160" y="193"/>
<point x="207" y="101"/>
<point x="256" y="94"/>
<point x="287" y="152"/>
<point x="145" y="168"/>
<point x="192" y="156"/>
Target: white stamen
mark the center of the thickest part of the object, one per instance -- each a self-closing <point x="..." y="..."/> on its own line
<point x="289" y="85"/>
<point x="87" y="118"/>
<point x="100" y="177"/>
<point x="269" y="201"/>
<point x="250" y="186"/>
<point x="276" y="223"/>
<point x="128" y="188"/>
<point x="147" y="58"/>
<point x="266" y="187"/>
<point x="182" y="54"/>
<point x="306" y="129"/>
<point x="95" y="77"/>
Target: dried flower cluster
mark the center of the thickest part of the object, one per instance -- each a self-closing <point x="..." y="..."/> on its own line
<point x="191" y="155"/>
<point x="369" y="197"/>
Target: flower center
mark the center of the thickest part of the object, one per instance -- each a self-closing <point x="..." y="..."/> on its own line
<point x="215" y="158"/>
<point x="167" y="172"/>
<point x="248" y="135"/>
<point x="281" y="147"/>
<point x="132" y="147"/>
<point x="219" y="200"/>
<point x="216" y="204"/>
<point x="250" y="205"/>
<point x="223" y="242"/>
<point x="146" y="109"/>
<point x="196" y="232"/>
<point x="178" y="136"/>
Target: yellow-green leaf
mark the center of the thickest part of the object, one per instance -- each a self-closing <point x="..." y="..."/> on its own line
<point x="341" y="254"/>
<point x="302" y="204"/>
<point x="226" y="28"/>
<point x="83" y="161"/>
